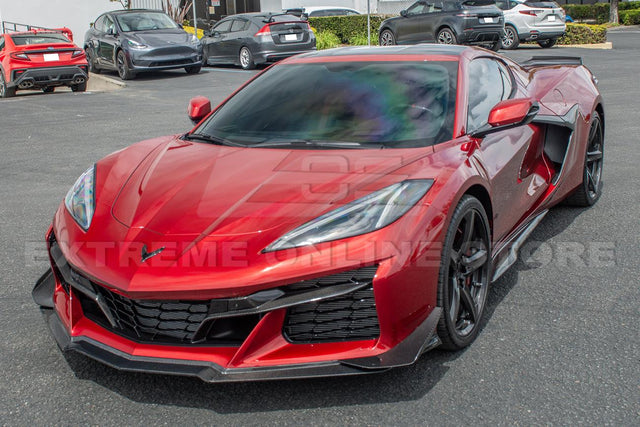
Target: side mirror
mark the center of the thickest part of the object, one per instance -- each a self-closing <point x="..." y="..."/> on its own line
<point x="509" y="114"/>
<point x="206" y="33"/>
<point x="111" y="31"/>
<point x="199" y="107"/>
<point x="403" y="13"/>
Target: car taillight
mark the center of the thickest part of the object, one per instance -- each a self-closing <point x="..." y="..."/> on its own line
<point x="531" y="12"/>
<point x="264" y="31"/>
<point x="77" y="53"/>
<point x="22" y="56"/>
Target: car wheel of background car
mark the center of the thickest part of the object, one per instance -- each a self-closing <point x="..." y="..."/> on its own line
<point x="510" y="39"/>
<point x="82" y="87"/>
<point x="246" y="59"/>
<point x="446" y="36"/>
<point x="547" y="43"/>
<point x="48" y="89"/>
<point x="387" y="38"/>
<point x="590" y="190"/>
<point x="6" y="92"/>
<point x="123" y="69"/>
<point x="463" y="281"/>
<point x="91" y="59"/>
<point x="193" y="70"/>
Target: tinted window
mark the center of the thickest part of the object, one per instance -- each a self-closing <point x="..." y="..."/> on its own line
<point x="1" y="42"/>
<point x="541" y="4"/>
<point x="223" y="26"/>
<point x="145" y="21"/>
<point x="487" y="87"/>
<point x="39" y="39"/>
<point x="418" y="8"/>
<point x="398" y="104"/>
<point x="239" y="25"/>
<point x="108" y="24"/>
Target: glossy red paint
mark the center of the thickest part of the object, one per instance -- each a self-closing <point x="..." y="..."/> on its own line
<point x="62" y="57"/>
<point x="214" y="209"/>
<point x="509" y="112"/>
<point x="199" y="107"/>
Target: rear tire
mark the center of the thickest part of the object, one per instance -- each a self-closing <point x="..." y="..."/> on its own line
<point x="5" y="91"/>
<point x="446" y="36"/>
<point x="495" y="46"/>
<point x="48" y="89"/>
<point x="124" y="71"/>
<point x="589" y="191"/>
<point x="387" y="38"/>
<point x="245" y="57"/>
<point x="464" y="277"/>
<point x="510" y="40"/>
<point x="82" y="87"/>
<point x="546" y="44"/>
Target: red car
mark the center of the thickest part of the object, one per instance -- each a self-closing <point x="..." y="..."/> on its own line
<point x="343" y="230"/>
<point x="41" y="59"/>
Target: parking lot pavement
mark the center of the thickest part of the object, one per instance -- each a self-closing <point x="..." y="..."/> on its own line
<point x="560" y="344"/>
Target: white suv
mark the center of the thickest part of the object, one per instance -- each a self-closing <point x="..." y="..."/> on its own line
<point x="531" y="20"/>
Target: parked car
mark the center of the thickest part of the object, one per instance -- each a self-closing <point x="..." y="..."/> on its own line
<point x="317" y="11"/>
<point x="139" y="40"/>
<point x="542" y="21"/>
<point x="477" y="22"/>
<point x="249" y="39"/>
<point x="41" y="59"/>
<point x="339" y="230"/>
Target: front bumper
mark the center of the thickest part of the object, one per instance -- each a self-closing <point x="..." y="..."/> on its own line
<point x="422" y="339"/>
<point x="49" y="76"/>
<point x="157" y="59"/>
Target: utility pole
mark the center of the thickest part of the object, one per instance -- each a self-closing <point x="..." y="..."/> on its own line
<point x="195" y="19"/>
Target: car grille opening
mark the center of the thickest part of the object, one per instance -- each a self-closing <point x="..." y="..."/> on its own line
<point x="343" y="318"/>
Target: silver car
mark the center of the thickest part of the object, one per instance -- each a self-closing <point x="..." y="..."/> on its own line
<point x="531" y="20"/>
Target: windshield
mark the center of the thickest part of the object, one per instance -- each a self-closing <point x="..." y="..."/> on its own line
<point x="39" y="39"/>
<point x="366" y="104"/>
<point x="143" y="21"/>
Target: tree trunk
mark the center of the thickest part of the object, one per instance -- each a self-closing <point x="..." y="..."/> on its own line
<point x="613" y="12"/>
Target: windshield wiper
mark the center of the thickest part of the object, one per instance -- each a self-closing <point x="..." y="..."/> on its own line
<point x="313" y="143"/>
<point x="211" y="139"/>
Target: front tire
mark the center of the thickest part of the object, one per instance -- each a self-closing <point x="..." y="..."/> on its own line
<point x="193" y="69"/>
<point x="590" y="190"/>
<point x="387" y="38"/>
<point x="446" y="36"/>
<point x="510" y="40"/>
<point x="245" y="57"/>
<point x="91" y="60"/>
<point x="124" y="71"/>
<point x="546" y="44"/>
<point x="463" y="281"/>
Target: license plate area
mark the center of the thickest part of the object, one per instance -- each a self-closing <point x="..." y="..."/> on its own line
<point x="288" y="38"/>
<point x="488" y="20"/>
<point x="51" y="57"/>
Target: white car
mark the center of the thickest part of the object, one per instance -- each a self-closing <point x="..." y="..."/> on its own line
<point x="316" y="11"/>
<point x="531" y="20"/>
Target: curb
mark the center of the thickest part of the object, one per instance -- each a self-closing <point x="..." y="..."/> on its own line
<point x="606" y="45"/>
<point x="99" y="82"/>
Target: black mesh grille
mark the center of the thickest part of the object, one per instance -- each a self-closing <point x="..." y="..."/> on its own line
<point x="348" y="317"/>
<point x="154" y="320"/>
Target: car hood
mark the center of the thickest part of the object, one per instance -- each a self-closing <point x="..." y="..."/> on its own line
<point x="159" y="38"/>
<point x="192" y="189"/>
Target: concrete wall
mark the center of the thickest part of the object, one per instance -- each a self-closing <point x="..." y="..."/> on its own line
<point x="74" y="14"/>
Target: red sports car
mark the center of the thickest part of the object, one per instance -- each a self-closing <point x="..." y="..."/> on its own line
<point x="41" y="59"/>
<point x="340" y="230"/>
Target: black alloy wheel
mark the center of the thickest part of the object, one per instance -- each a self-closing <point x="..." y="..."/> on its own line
<point x="464" y="274"/>
<point x="590" y="190"/>
<point x="124" y="71"/>
<point x="446" y="36"/>
<point x="387" y="38"/>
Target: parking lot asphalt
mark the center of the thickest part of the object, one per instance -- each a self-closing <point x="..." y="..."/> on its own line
<point x="560" y="345"/>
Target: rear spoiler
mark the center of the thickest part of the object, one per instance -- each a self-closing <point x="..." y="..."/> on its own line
<point x="541" y="61"/>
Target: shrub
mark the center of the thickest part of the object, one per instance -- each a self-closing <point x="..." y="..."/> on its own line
<point x="628" y="5"/>
<point x="348" y="27"/>
<point x="630" y="17"/>
<point x="361" y="39"/>
<point x="326" y="40"/>
<point x="598" y="12"/>
<point x="584" y="34"/>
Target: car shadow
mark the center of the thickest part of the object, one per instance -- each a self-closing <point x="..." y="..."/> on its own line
<point x="401" y="384"/>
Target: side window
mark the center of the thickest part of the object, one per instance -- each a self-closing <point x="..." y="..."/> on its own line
<point x="237" y="25"/>
<point x="513" y="4"/>
<point x="449" y="6"/>
<point x="489" y="83"/>
<point x="108" y="24"/>
<point x="1" y="43"/>
<point x="223" y="27"/>
<point x="99" y="24"/>
<point x="417" y="8"/>
<point x="438" y="6"/>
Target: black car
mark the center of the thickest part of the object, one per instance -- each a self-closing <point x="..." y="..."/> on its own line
<point x="248" y="39"/>
<point x="478" y="22"/>
<point x="136" y="40"/>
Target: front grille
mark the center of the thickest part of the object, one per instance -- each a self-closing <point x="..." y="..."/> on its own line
<point x="170" y="63"/>
<point x="347" y="317"/>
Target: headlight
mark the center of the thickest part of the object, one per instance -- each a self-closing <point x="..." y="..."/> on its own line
<point x="80" y="200"/>
<point x="364" y="215"/>
<point x="135" y="45"/>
